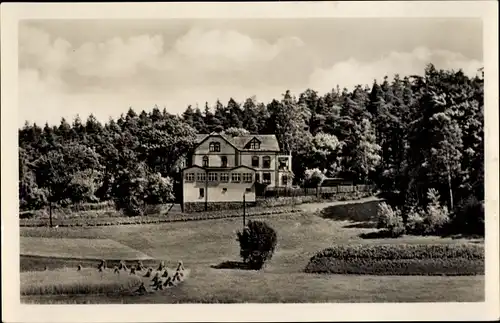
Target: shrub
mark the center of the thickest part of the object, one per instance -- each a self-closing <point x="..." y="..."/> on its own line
<point x="390" y="219"/>
<point x="313" y="177"/>
<point x="415" y="222"/>
<point x="423" y="267"/>
<point x="437" y="215"/>
<point x="469" y="217"/>
<point x="257" y="243"/>
<point x="404" y="251"/>
<point x="439" y="259"/>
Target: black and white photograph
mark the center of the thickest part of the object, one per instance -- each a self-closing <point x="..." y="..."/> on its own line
<point x="252" y="160"/>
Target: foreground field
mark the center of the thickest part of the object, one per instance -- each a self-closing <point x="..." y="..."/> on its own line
<point x="205" y="246"/>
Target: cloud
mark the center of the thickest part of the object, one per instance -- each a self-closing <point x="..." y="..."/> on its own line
<point x="38" y="49"/>
<point x="230" y="45"/>
<point x="352" y="72"/>
<point x="58" y="78"/>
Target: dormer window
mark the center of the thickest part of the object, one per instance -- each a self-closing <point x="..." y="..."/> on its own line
<point x="255" y="145"/>
<point x="214" y="147"/>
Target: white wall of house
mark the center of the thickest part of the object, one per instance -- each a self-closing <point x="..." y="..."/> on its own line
<point x="191" y="189"/>
<point x="246" y="159"/>
<point x="219" y="190"/>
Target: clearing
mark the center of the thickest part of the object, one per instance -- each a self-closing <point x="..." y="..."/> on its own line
<point x="204" y="246"/>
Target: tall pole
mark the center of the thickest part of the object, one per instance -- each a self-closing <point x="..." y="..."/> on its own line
<point x="244" y="204"/>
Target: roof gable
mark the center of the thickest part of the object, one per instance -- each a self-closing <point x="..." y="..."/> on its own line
<point x="201" y="138"/>
<point x="267" y="142"/>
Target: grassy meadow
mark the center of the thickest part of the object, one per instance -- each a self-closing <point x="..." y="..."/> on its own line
<point x="210" y="250"/>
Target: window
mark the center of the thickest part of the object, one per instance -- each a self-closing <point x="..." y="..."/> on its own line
<point x="283" y="163"/>
<point x="247" y="177"/>
<point x="214" y="147"/>
<point x="205" y="161"/>
<point x="212" y="177"/>
<point x="257" y="177"/>
<point x="224" y="177"/>
<point x="255" y="161"/>
<point x="235" y="177"/>
<point x="224" y="190"/>
<point x="223" y="160"/>
<point x="266" y="178"/>
<point x="255" y="145"/>
<point x="202" y="192"/>
<point x="201" y="177"/>
<point x="284" y="180"/>
<point x="248" y="190"/>
<point x="266" y="162"/>
<point x="189" y="177"/>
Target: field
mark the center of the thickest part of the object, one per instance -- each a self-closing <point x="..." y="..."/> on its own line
<point x="210" y="250"/>
<point x="79" y="248"/>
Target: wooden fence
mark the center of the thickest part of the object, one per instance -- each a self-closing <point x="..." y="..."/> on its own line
<point x="320" y="191"/>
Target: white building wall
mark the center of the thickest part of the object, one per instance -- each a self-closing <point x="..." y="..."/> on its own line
<point x="214" y="191"/>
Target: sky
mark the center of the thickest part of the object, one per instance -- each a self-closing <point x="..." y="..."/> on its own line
<point x="103" y="67"/>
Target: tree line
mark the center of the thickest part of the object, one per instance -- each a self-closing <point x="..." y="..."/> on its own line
<point x="406" y="135"/>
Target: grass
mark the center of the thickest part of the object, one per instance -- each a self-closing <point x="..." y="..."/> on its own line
<point x="294" y="288"/>
<point x="203" y="244"/>
<point x="78" y="248"/>
<point x="69" y="281"/>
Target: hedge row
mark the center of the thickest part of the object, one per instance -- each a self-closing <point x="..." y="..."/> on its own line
<point x="423" y="267"/>
<point x="296" y="200"/>
<point x="400" y="259"/>
<point x="154" y="219"/>
<point x="70" y="211"/>
<point x="404" y="251"/>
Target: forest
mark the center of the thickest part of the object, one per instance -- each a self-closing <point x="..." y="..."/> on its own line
<point x="406" y="135"/>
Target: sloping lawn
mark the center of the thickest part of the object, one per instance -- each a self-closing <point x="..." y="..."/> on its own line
<point x="78" y="248"/>
<point x="204" y="244"/>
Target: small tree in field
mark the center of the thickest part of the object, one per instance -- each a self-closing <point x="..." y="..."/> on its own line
<point x="257" y="243"/>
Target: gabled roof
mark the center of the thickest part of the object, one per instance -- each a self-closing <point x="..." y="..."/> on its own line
<point x="200" y="138"/>
<point x="194" y="166"/>
<point x="267" y="142"/>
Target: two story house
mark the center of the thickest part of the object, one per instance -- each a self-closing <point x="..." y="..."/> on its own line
<point x="222" y="169"/>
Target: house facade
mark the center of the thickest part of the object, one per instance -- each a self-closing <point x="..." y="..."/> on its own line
<point x="221" y="170"/>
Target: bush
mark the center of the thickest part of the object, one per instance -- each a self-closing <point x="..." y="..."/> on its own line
<point x="257" y="243"/>
<point x="439" y="259"/>
<point x="390" y="219"/>
<point x="415" y="222"/>
<point x="422" y="267"/>
<point x="437" y="215"/>
<point x="469" y="217"/>
<point x="313" y="177"/>
<point x="404" y="251"/>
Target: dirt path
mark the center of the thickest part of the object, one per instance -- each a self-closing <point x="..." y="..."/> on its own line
<point x="311" y="207"/>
